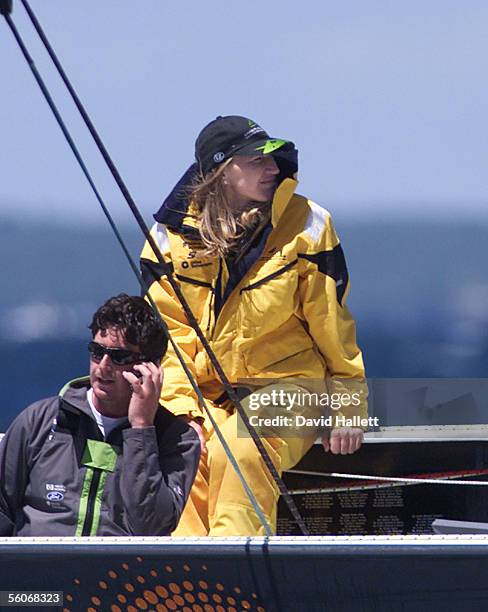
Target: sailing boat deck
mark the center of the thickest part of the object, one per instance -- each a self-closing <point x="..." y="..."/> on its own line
<point x="280" y="573"/>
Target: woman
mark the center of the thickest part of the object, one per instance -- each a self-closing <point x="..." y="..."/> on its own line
<point x="264" y="273"/>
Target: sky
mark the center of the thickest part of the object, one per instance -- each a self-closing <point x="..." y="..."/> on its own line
<point x="386" y="101"/>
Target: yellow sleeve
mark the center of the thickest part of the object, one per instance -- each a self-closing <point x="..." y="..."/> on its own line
<point x="177" y="394"/>
<point x="324" y="285"/>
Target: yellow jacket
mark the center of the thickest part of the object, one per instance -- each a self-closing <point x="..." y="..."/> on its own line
<point x="286" y="317"/>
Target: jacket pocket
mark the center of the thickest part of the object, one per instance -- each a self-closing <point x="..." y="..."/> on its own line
<point x="269" y="300"/>
<point x="269" y="277"/>
<point x="287" y="352"/>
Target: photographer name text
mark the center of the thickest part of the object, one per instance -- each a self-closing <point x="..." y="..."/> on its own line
<point x="337" y="420"/>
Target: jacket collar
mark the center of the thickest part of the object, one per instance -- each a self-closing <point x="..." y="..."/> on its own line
<point x="74" y="401"/>
<point x="281" y="199"/>
<point x="173" y="212"/>
<point x="74" y="394"/>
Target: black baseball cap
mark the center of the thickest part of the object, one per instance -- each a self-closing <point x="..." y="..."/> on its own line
<point x="233" y="135"/>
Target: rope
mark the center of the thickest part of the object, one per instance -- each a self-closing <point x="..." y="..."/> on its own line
<point x="447" y="480"/>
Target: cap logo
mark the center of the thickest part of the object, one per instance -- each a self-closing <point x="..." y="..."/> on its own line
<point x="218" y="157"/>
<point x="271" y="145"/>
<point x="256" y="129"/>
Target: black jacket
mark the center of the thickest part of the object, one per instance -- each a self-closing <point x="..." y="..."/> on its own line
<point x="60" y="477"/>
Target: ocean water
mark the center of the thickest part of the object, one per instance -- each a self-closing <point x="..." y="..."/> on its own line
<point x="35" y="370"/>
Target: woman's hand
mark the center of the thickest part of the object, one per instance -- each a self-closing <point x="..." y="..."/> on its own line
<point x="343" y="440"/>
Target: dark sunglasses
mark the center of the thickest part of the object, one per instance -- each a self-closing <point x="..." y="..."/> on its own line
<point x="118" y="356"/>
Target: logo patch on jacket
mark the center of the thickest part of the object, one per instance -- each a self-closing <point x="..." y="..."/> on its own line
<point x="55" y="493"/>
<point x="55" y="496"/>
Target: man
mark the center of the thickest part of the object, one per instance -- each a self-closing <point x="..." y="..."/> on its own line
<point x="103" y="457"/>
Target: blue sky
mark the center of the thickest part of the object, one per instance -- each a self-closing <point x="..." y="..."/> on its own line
<point x="385" y="100"/>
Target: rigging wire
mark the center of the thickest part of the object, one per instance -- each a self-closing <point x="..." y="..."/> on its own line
<point x="5" y="8"/>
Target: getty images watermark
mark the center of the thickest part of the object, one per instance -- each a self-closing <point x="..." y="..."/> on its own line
<point x="285" y="408"/>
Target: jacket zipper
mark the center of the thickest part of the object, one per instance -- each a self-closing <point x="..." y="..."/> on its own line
<point x="87" y="525"/>
<point x="209" y="313"/>
<point x="208" y="331"/>
<point x="271" y="276"/>
<point x="214" y="293"/>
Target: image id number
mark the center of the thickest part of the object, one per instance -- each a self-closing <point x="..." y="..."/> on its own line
<point x="31" y="598"/>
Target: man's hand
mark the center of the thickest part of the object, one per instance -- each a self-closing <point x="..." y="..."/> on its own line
<point x="197" y="426"/>
<point x="145" y="393"/>
<point x="343" y="440"/>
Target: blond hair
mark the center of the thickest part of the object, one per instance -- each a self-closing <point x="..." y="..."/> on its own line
<point x="221" y="227"/>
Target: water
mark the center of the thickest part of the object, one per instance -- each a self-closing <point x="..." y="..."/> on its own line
<point x="36" y="370"/>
